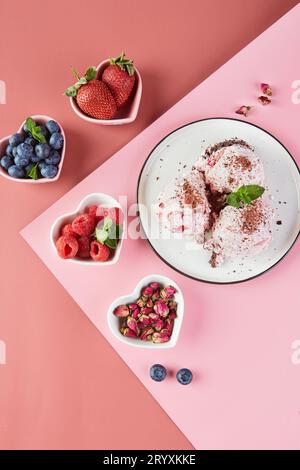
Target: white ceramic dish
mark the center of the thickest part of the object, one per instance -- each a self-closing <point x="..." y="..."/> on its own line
<point x="181" y="148"/>
<point x="114" y="322"/>
<point x="40" y="119"/>
<point x="125" y="115"/>
<point x="98" y="199"/>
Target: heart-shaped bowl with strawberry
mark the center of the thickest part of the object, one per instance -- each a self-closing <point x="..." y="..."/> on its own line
<point x="92" y="234"/>
<point x="35" y="153"/>
<point x="151" y="316"/>
<point x="109" y="94"/>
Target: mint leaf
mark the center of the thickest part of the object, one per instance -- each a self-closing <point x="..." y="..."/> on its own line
<point x="245" y="194"/>
<point x="107" y="223"/>
<point x="33" y="173"/>
<point x="101" y="235"/>
<point x="90" y="74"/>
<point x="30" y="124"/>
<point x="111" y="243"/>
<point x="35" y="130"/>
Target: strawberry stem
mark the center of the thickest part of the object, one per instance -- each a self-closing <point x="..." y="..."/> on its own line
<point x="75" y="73"/>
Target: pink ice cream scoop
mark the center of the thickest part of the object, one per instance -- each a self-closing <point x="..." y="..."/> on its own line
<point x="229" y="165"/>
<point x="240" y="232"/>
<point x="183" y="206"/>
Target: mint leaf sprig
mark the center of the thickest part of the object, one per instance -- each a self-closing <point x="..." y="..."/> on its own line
<point x="108" y="233"/>
<point x="245" y="195"/>
<point x="35" y="130"/>
<point x="33" y="173"/>
<point x="90" y="74"/>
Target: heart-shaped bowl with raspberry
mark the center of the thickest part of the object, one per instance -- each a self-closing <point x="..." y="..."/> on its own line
<point x="109" y="96"/>
<point x="92" y="234"/>
<point x="151" y="316"/>
<point x="35" y="153"/>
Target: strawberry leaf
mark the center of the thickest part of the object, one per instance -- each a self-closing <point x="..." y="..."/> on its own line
<point x="90" y="74"/>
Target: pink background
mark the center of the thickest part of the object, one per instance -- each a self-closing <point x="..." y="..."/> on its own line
<point x="57" y="389"/>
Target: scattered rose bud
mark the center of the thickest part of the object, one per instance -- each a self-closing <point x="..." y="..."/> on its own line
<point x="264" y="100"/>
<point x="161" y="308"/>
<point x="147" y="291"/>
<point x="266" y="89"/>
<point x="244" y="110"/>
<point x="121" y="311"/>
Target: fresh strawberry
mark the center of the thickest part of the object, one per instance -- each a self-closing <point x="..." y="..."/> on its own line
<point x="119" y="76"/>
<point x="93" y="96"/>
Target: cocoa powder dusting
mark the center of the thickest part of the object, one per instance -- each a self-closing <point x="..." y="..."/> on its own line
<point x="252" y="218"/>
<point x="240" y="161"/>
<point x="190" y="195"/>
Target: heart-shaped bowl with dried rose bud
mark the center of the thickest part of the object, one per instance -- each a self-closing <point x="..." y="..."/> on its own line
<point x="126" y="114"/>
<point x="40" y="119"/>
<point x="99" y="199"/>
<point x="114" y="322"/>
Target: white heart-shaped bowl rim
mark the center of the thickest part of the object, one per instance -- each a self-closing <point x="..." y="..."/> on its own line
<point x="133" y="106"/>
<point x="114" y="322"/>
<point x="94" y="198"/>
<point x="41" y="119"/>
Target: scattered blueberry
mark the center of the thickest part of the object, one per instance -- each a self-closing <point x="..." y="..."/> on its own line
<point x="15" y="151"/>
<point x="56" y="140"/>
<point x="42" y="151"/>
<point x="9" y="150"/>
<point x="158" y="372"/>
<point x="49" y="171"/>
<point x="31" y="141"/>
<point x="6" y="162"/>
<point x="54" y="158"/>
<point x="21" y="161"/>
<point x="16" y="139"/>
<point x="52" y="127"/>
<point x="24" y="150"/>
<point x="16" y="172"/>
<point x="184" y="376"/>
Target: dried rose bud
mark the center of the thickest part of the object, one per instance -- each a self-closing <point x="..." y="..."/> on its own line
<point x="266" y="89"/>
<point x="167" y="292"/>
<point x="244" y="110"/>
<point x="264" y="100"/>
<point x="132" y="306"/>
<point x="155" y="285"/>
<point x="155" y="296"/>
<point x="169" y="324"/>
<point x="136" y="313"/>
<point x="144" y="320"/>
<point x="158" y="326"/>
<point x="154" y="316"/>
<point x="146" y="334"/>
<point x="161" y="308"/>
<point x="141" y="302"/>
<point x="149" y="303"/>
<point x="172" y="305"/>
<point x="129" y="333"/>
<point x="132" y="324"/>
<point x="172" y="315"/>
<point x="146" y="310"/>
<point x="121" y="311"/>
<point x="160" y="338"/>
<point x="147" y="291"/>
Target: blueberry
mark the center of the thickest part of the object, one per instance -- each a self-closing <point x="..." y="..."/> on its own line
<point x="16" y="139"/>
<point x="16" y="172"/>
<point x="56" y="140"/>
<point x="54" y="158"/>
<point x="42" y="165"/>
<point x="42" y="151"/>
<point x="9" y="150"/>
<point x="15" y="151"/>
<point x="44" y="131"/>
<point x="34" y="158"/>
<point x="24" y="150"/>
<point x="6" y="162"/>
<point x="31" y="141"/>
<point x="52" y="127"/>
<point x="49" y="171"/>
<point x="184" y="376"/>
<point x="20" y="162"/>
<point x="158" y="372"/>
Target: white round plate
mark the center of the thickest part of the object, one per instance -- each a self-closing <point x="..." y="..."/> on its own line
<point x="176" y="154"/>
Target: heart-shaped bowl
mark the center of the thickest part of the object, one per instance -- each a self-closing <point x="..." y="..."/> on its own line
<point x="91" y="199"/>
<point x="126" y="114"/>
<point x="114" y="322"/>
<point x="40" y="119"/>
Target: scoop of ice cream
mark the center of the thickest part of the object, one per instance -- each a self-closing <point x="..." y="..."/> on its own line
<point x="183" y="206"/>
<point x="241" y="232"/>
<point x="229" y="165"/>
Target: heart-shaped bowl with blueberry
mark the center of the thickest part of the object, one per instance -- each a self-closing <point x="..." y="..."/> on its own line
<point x="92" y="234"/>
<point x="151" y="316"/>
<point x="35" y="153"/>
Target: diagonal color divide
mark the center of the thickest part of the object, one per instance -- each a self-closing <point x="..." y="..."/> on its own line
<point x="236" y="339"/>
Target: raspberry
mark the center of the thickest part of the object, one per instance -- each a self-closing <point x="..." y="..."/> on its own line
<point x="99" y="252"/>
<point x="84" y="247"/>
<point x="67" y="246"/>
<point x="68" y="230"/>
<point x="95" y="211"/>
<point x="114" y="213"/>
<point x="84" y="224"/>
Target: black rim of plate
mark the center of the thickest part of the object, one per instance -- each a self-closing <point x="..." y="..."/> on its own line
<point x="149" y="241"/>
